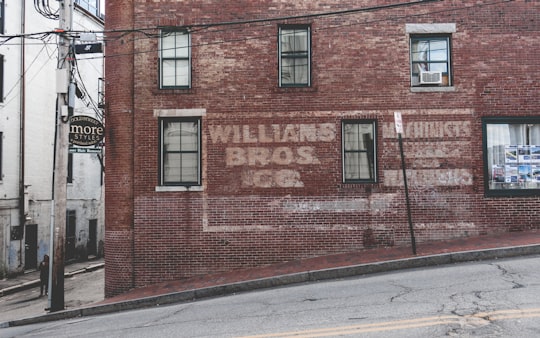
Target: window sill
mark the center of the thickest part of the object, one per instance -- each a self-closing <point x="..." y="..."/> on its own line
<point x="178" y="188"/>
<point x="299" y="89"/>
<point x="420" y="89"/>
<point x="173" y="91"/>
<point x="509" y="193"/>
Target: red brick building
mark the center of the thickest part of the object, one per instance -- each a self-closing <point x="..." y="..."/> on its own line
<point x="244" y="133"/>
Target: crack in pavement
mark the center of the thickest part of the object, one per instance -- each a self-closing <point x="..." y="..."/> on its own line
<point x="511" y="276"/>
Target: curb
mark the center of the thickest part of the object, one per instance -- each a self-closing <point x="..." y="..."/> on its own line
<point x="19" y="287"/>
<point x="282" y="280"/>
<point x="34" y="283"/>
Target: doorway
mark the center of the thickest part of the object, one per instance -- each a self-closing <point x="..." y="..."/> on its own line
<point x="70" y="234"/>
<point x="92" y="237"/>
<point x="30" y="247"/>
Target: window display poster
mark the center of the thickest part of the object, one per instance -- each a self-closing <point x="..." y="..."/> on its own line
<point x="535" y="172"/>
<point x="535" y="154"/>
<point x="511" y="173"/>
<point x="524" y="154"/>
<point x="525" y="173"/>
<point x="510" y="154"/>
<point x="522" y="163"/>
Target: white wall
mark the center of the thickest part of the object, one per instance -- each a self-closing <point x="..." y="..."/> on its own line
<point x="85" y="194"/>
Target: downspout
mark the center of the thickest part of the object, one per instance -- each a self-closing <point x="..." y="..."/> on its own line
<point x="22" y="215"/>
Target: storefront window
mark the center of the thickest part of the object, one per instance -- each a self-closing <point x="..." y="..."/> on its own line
<point x="512" y="156"/>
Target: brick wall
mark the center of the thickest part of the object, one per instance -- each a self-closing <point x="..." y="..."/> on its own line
<point x="119" y="119"/>
<point x="272" y="182"/>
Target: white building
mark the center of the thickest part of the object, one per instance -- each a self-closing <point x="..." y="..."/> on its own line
<point x="28" y="93"/>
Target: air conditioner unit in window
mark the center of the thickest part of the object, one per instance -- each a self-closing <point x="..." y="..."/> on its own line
<point x="430" y="77"/>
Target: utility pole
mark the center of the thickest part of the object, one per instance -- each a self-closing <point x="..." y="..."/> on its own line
<point x="59" y="200"/>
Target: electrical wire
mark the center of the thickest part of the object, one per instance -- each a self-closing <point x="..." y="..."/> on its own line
<point x="86" y="97"/>
<point x="151" y="33"/>
<point x="16" y="84"/>
<point x="43" y="7"/>
<point x="266" y="36"/>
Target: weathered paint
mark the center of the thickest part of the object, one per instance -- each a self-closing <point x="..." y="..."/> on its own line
<point x="430" y="177"/>
<point x="430" y="129"/>
<point x="280" y="155"/>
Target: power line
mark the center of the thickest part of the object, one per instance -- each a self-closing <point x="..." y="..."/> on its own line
<point x="16" y="84"/>
<point x="193" y="27"/>
<point x="86" y="94"/>
<point x="153" y="32"/>
<point x="337" y="26"/>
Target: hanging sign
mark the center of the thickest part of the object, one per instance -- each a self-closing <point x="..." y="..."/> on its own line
<point x="85" y="131"/>
<point x="88" y="48"/>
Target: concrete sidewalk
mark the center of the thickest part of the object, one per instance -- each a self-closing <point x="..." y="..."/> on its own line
<point x="320" y="268"/>
<point x="30" y="279"/>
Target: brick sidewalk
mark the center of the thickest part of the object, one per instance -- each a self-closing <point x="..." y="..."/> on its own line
<point x="503" y="240"/>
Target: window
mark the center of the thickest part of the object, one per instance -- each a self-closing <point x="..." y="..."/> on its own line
<point x="1" y="78"/>
<point x="358" y="139"/>
<point x="1" y="16"/>
<point x="71" y="231"/>
<point x="512" y="156"/>
<point x="180" y="151"/>
<point x="175" y="62"/>
<point x="430" y="60"/>
<point x="91" y="6"/>
<point x="1" y="155"/>
<point x="70" y="168"/>
<point x="294" y="56"/>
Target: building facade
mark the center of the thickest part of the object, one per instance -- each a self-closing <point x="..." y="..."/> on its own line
<point x="29" y="55"/>
<point x="245" y="133"/>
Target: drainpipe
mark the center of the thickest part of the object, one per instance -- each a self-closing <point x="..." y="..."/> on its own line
<point x="22" y="211"/>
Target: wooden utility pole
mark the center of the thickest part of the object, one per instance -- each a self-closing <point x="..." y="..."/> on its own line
<point x="63" y="79"/>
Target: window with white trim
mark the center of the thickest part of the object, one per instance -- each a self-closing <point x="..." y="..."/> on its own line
<point x="175" y="59"/>
<point x="359" y="155"/>
<point x="294" y="56"/>
<point x="180" y="157"/>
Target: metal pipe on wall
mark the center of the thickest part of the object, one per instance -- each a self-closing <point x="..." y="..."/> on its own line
<point x="22" y="122"/>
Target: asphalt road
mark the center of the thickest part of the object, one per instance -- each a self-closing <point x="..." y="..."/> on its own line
<point x="498" y="298"/>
